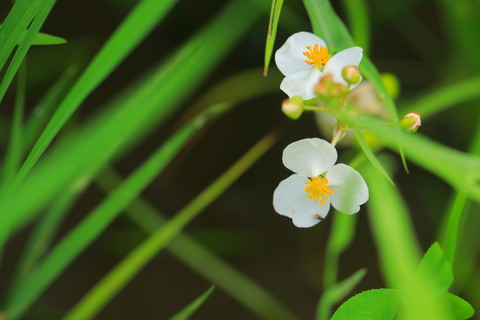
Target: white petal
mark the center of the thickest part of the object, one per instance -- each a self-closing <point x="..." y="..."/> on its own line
<point x="309" y="157"/>
<point x="348" y="57"/>
<point x="290" y="59"/>
<point x="350" y="190"/>
<point x="291" y="200"/>
<point x="301" y="84"/>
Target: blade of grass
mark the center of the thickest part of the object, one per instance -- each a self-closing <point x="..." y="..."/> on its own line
<point x="45" y="107"/>
<point x="371" y="155"/>
<point x="85" y="232"/>
<point x="186" y="312"/>
<point x="271" y="33"/>
<point x="447" y="96"/>
<point x="25" y="43"/>
<point x="341" y="235"/>
<point x="398" y="249"/>
<point x="203" y="261"/>
<point x="328" y="25"/>
<point x="126" y="120"/>
<point x="43" y="234"/>
<point x="128" y="35"/>
<point x="451" y="228"/>
<point x="463" y="169"/>
<point x="359" y="21"/>
<point x="114" y="281"/>
<point x="15" y="145"/>
<point x="44" y="39"/>
<point x="16" y="22"/>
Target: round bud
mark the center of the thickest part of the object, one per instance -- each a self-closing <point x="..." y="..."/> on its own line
<point x="411" y="122"/>
<point x="391" y="83"/>
<point x="293" y="108"/>
<point x="351" y="74"/>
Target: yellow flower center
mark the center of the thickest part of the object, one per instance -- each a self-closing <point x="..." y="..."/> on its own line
<point x="317" y="189"/>
<point x="317" y="56"/>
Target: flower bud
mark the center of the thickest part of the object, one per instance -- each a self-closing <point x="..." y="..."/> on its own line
<point x="351" y="74"/>
<point x="391" y="83"/>
<point x="293" y="108"/>
<point x="411" y="122"/>
<point x="328" y="88"/>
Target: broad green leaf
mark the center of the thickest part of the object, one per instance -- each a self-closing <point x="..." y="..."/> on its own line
<point x="338" y="292"/>
<point x="435" y="265"/>
<point x="375" y="304"/>
<point x="272" y="32"/>
<point x="186" y="312"/>
<point x="398" y="249"/>
<point x="459" y="308"/>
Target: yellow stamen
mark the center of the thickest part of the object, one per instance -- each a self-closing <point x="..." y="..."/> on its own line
<point x="317" y="56"/>
<point x="317" y="189"/>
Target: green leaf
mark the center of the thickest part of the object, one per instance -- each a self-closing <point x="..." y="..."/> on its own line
<point x="358" y="18"/>
<point x="202" y="260"/>
<point x="328" y="25"/>
<point x="129" y="117"/>
<point x="338" y="292"/>
<point x="375" y="304"/>
<point x="272" y="32"/>
<point x="128" y="35"/>
<point x="186" y="312"/>
<point x="15" y="24"/>
<point x="435" y="265"/>
<point x="463" y="169"/>
<point x="459" y="308"/>
<point x="371" y="155"/>
<point x="41" y="39"/>
<point x="116" y="279"/>
<point x="25" y="40"/>
<point x="95" y="222"/>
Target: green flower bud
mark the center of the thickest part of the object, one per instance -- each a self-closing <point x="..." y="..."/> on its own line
<point x="293" y="108"/>
<point x="351" y="74"/>
<point x="391" y="83"/>
<point x="411" y="122"/>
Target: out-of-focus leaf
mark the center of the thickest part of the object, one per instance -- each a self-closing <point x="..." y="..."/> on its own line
<point x="375" y="304"/>
<point x="435" y="265"/>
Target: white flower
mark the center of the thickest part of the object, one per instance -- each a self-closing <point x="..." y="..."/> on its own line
<point x="306" y="195"/>
<point x="302" y="75"/>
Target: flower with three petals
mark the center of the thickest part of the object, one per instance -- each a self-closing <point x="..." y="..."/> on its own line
<point x="304" y="59"/>
<point x="318" y="182"/>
